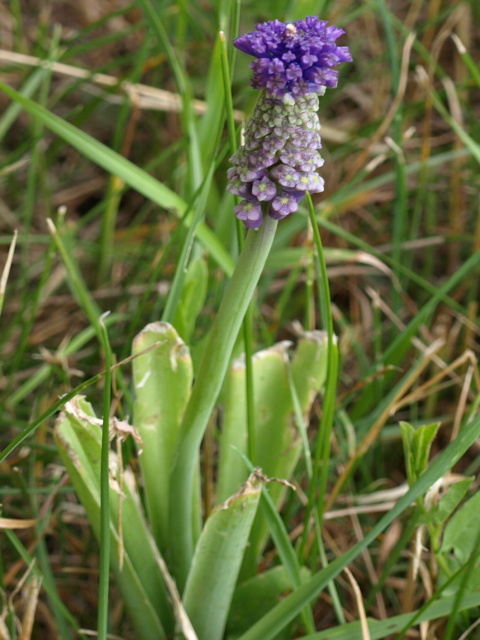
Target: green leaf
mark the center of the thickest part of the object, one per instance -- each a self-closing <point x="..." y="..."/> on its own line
<point x="309" y="367"/>
<point x="162" y="380"/>
<point x="214" y="116"/>
<point x="115" y="164"/>
<point x="461" y="531"/>
<point x="277" y="618"/>
<point x="216" y="561"/>
<point x="277" y="440"/>
<point x="470" y="582"/>
<point x="385" y="628"/>
<point x="77" y="433"/>
<point x="468" y="141"/>
<point x="447" y="504"/>
<point x="209" y="379"/>
<point x="416" y="446"/>
<point x="192" y="298"/>
<point x="278" y="444"/>
<point x="256" y="596"/>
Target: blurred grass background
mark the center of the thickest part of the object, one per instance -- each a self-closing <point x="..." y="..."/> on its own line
<point x="399" y="220"/>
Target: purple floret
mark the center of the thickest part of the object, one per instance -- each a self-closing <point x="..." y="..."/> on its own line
<point x="294" y="57"/>
<point x="250" y="212"/>
<point x="264" y="189"/>
<point x="283" y="204"/>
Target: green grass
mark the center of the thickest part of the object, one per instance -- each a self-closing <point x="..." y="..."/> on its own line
<point x="114" y="187"/>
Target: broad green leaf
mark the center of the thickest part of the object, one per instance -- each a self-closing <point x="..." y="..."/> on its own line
<point x="78" y="434"/>
<point x="162" y="380"/>
<point x="277" y="441"/>
<point x="462" y="529"/>
<point x="447" y="504"/>
<point x="216" y="562"/>
<point x="471" y="583"/>
<point x="232" y="470"/>
<point x="309" y="367"/>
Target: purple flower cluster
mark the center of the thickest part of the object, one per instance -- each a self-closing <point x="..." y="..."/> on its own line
<point x="277" y="163"/>
<point x="294" y="58"/>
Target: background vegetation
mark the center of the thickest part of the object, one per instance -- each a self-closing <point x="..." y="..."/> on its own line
<point x="400" y="225"/>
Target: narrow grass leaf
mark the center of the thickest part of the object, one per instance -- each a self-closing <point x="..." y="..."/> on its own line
<point x="52" y="410"/>
<point x="10" y="114"/>
<point x="45" y="371"/>
<point x="104" y="575"/>
<point x="282" y="614"/>
<point x="382" y="628"/>
<point x="156" y="23"/>
<point x="214" y="117"/>
<point x="286" y="552"/>
<point x="468" y="141"/>
<point x="48" y="587"/>
<point x="192" y="299"/>
<point x="253" y="598"/>
<point x="470" y="63"/>
<point x="318" y="481"/>
<point x="200" y="202"/>
<point x="115" y="164"/>
<point x="6" y="270"/>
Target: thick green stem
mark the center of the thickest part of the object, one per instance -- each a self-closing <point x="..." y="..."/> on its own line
<point x="207" y="386"/>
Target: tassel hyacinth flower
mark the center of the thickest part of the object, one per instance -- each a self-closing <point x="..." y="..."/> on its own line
<point x="277" y="163"/>
<point x="271" y="172"/>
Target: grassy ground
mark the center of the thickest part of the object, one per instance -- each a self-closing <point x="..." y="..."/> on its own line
<point x="401" y="229"/>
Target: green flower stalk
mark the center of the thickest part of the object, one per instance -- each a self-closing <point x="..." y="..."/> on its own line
<point x="210" y="375"/>
<point x="272" y="172"/>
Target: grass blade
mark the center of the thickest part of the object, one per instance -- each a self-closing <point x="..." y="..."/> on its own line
<point x="282" y="614"/>
<point x="104" y="576"/>
<point x="6" y="270"/>
<point x="115" y="164"/>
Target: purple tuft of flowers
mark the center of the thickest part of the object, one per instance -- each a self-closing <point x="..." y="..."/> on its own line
<point x="277" y="163"/>
<point x="295" y="57"/>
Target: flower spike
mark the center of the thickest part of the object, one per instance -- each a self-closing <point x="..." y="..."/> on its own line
<point x="278" y="161"/>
